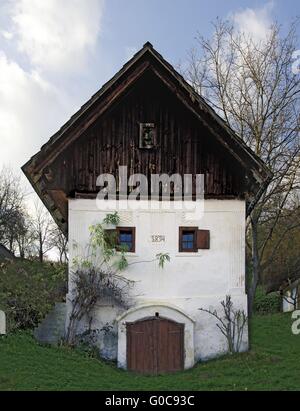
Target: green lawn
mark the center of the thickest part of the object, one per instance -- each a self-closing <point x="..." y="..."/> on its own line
<point x="272" y="364"/>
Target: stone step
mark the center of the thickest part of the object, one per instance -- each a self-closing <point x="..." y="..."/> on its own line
<point x="52" y="329"/>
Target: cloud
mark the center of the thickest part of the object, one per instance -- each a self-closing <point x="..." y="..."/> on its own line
<point x="45" y="47"/>
<point x="47" y="40"/>
<point x="57" y="35"/>
<point x="7" y="34"/>
<point x="31" y="109"/>
<point x="255" y="22"/>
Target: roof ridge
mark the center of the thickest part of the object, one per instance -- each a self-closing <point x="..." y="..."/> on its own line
<point x="189" y="96"/>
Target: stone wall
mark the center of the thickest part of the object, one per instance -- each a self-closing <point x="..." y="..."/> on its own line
<point x="52" y="329"/>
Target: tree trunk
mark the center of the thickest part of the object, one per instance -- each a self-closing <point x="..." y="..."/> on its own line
<point x="41" y="254"/>
<point x="254" y="277"/>
<point x="11" y="245"/>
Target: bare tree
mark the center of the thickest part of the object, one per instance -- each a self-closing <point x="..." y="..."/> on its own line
<point x="250" y="83"/>
<point x="11" y="206"/>
<point x="60" y="242"/>
<point x="42" y="230"/>
<point x="232" y="324"/>
<point x="89" y="285"/>
<point x="24" y="236"/>
<point x="285" y="265"/>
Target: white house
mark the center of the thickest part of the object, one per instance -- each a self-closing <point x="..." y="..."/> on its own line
<point x="149" y="119"/>
<point x="290" y="295"/>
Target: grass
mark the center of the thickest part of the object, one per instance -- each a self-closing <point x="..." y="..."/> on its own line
<point x="272" y="364"/>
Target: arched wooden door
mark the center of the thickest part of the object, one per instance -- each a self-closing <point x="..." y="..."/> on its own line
<point x="155" y="345"/>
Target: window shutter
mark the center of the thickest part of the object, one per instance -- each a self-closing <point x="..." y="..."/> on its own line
<point x="203" y="239"/>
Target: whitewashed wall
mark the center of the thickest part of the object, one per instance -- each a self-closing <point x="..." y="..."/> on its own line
<point x="288" y="300"/>
<point x="190" y="280"/>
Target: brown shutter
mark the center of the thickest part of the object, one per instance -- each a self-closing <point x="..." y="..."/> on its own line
<point x="203" y="239"/>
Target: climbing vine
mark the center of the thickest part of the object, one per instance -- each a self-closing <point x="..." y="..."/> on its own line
<point x="98" y="275"/>
<point x="232" y="324"/>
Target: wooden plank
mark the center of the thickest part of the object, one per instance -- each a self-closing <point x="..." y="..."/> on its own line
<point x="183" y="146"/>
<point x="203" y="239"/>
<point x="155" y="346"/>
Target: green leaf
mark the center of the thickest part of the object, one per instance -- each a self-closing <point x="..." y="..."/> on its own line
<point x="112" y="219"/>
<point x="162" y="259"/>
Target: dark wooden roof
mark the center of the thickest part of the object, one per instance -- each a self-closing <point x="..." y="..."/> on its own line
<point x="5" y="253"/>
<point x="145" y="61"/>
<point x="283" y="283"/>
<point x="289" y="285"/>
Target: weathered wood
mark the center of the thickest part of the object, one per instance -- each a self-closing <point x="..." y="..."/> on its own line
<point x="203" y="239"/>
<point x="155" y="346"/>
<point x="104" y="134"/>
<point x="183" y="146"/>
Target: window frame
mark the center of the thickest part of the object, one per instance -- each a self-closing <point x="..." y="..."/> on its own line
<point x="188" y="250"/>
<point x="128" y="229"/>
<point x="142" y="127"/>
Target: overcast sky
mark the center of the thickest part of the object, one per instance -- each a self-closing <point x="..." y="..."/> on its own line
<point x="55" y="54"/>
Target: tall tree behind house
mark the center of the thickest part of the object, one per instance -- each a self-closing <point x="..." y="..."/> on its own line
<point x="43" y="226"/>
<point x="251" y="85"/>
<point x="11" y="208"/>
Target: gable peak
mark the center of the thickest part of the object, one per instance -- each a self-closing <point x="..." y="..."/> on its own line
<point x="148" y="45"/>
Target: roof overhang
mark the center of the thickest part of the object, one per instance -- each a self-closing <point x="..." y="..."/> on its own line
<point x="146" y="59"/>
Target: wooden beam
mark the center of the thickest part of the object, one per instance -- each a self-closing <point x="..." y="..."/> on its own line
<point x="72" y="135"/>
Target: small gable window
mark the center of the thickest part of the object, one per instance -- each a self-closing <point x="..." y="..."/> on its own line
<point x="126" y="239"/>
<point x="147" y="135"/>
<point x="191" y="239"/>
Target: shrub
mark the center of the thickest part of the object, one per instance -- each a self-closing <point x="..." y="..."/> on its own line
<point x="28" y="290"/>
<point x="266" y="303"/>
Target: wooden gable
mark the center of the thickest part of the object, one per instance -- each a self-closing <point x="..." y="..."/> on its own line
<point x="105" y="134"/>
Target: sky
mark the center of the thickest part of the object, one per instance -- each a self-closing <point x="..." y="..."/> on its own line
<point x="55" y="54"/>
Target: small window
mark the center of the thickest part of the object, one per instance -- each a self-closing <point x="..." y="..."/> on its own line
<point x="147" y="135"/>
<point x="188" y="239"/>
<point x="191" y="239"/>
<point x="126" y="238"/>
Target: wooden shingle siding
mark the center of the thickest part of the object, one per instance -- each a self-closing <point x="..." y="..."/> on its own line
<point x="183" y="146"/>
<point x="190" y="138"/>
